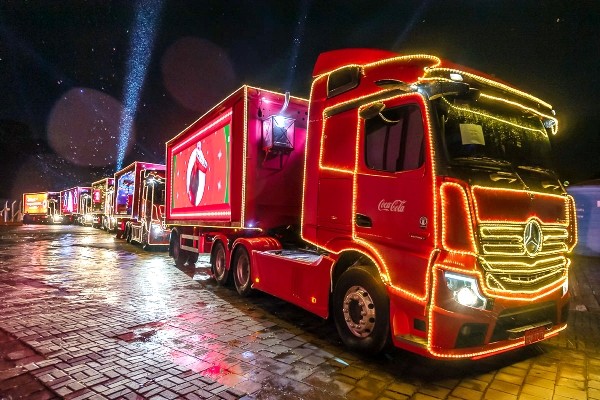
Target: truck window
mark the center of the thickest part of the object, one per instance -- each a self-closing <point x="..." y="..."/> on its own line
<point x="342" y="80"/>
<point x="394" y="139"/>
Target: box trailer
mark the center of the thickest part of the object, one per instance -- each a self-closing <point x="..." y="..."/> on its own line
<point x="41" y="208"/>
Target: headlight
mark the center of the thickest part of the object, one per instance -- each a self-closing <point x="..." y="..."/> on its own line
<point x="565" y="287"/>
<point x="465" y="290"/>
<point x="156" y="228"/>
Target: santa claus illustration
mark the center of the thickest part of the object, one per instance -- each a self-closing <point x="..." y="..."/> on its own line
<point x="196" y="175"/>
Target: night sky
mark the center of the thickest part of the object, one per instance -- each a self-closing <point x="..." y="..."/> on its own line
<point x="73" y="72"/>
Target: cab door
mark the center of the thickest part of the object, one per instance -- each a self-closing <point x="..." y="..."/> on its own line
<point x="394" y="203"/>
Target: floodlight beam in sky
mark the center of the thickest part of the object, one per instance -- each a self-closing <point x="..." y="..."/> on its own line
<point x="141" y="42"/>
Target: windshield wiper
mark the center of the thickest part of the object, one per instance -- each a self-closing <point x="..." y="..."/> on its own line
<point x="537" y="169"/>
<point x="484" y="160"/>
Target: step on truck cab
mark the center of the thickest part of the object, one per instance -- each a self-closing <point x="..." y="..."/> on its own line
<point x="138" y="212"/>
<point x="415" y="205"/>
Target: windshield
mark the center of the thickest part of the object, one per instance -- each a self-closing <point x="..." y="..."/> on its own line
<point x="490" y="131"/>
<point x="159" y="193"/>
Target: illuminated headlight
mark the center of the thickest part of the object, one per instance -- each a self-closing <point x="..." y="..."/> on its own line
<point x="565" y="287"/>
<point x="88" y="218"/>
<point x="57" y="218"/>
<point x="156" y="228"/>
<point x="456" y="77"/>
<point x="465" y="290"/>
<point x="113" y="220"/>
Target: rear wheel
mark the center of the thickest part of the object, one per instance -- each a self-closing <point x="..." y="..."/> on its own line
<point x="219" y="264"/>
<point x="178" y="254"/>
<point x="241" y="272"/>
<point x="361" y="311"/>
<point x="192" y="258"/>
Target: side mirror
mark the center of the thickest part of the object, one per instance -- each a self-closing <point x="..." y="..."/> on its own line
<point x="372" y="110"/>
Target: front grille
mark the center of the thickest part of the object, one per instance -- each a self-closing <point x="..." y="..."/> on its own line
<point x="508" y="267"/>
<point x="507" y="239"/>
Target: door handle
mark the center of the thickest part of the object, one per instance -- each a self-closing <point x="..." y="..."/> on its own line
<point x="363" y="221"/>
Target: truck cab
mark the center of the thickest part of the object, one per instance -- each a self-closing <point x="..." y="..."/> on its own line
<point x="453" y="201"/>
<point x="149" y="228"/>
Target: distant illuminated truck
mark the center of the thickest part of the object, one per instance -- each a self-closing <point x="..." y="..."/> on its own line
<point x="102" y="202"/>
<point x="414" y="204"/>
<point x="41" y="208"/>
<point x="74" y="203"/>
<point x="139" y="204"/>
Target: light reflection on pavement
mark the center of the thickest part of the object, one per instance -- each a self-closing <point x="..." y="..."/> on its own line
<point x="113" y="320"/>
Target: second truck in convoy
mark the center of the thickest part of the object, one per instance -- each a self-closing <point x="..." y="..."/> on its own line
<point x="138" y="204"/>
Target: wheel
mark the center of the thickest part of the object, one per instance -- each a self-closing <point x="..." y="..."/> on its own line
<point x="179" y="255"/>
<point x="192" y="258"/>
<point x="361" y="311"/>
<point x="145" y="244"/>
<point x="219" y="264"/>
<point x="241" y="272"/>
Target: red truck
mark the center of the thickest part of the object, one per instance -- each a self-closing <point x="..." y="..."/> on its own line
<point x="102" y="202"/>
<point x="138" y="213"/>
<point x="409" y="199"/>
<point x="74" y="203"/>
<point x="41" y="208"/>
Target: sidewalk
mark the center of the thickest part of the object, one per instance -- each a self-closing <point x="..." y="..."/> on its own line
<point x="584" y="283"/>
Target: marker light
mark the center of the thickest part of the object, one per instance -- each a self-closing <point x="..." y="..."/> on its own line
<point x="465" y="290"/>
<point x="280" y="120"/>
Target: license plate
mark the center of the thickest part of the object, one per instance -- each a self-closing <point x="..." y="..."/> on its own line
<point x="534" y="335"/>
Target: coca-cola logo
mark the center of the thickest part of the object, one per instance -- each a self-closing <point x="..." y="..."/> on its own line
<point x="393" y="206"/>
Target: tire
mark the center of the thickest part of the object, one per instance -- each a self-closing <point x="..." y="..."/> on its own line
<point x="179" y="255"/>
<point x="242" y="276"/>
<point x="192" y="258"/>
<point x="361" y="311"/>
<point x="145" y="244"/>
<point x="219" y="264"/>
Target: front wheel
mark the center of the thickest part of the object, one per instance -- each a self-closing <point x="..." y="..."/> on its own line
<point x="128" y="234"/>
<point x="361" y="311"/>
<point x="241" y="272"/>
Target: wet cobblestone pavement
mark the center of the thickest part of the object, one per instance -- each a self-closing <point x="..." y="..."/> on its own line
<point x="83" y="315"/>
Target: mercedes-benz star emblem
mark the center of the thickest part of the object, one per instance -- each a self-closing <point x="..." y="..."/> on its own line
<point x="532" y="237"/>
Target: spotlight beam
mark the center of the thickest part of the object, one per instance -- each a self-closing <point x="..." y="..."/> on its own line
<point x="141" y="42"/>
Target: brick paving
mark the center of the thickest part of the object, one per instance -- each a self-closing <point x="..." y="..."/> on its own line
<point x="83" y="316"/>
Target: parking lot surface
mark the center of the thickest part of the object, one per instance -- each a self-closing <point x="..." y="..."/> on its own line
<point x="86" y="316"/>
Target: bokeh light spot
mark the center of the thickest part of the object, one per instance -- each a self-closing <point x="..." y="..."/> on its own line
<point x="197" y="73"/>
<point x="83" y="127"/>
